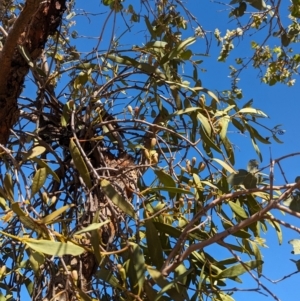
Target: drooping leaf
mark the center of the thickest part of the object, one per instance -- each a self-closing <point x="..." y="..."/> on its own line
<point x="166" y="180"/>
<point x="257" y="254"/>
<point x="38" y="180"/>
<point x="117" y="199"/>
<point x="8" y="186"/>
<point x="136" y="269"/>
<point x="237" y="209"/>
<point x="154" y="245"/>
<point x="41" y="163"/>
<point x="108" y="277"/>
<point x="80" y="164"/>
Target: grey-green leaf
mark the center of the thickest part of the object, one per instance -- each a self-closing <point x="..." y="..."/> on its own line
<point x="116" y="198"/>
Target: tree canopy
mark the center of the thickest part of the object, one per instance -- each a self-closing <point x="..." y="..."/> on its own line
<point x="118" y="175"/>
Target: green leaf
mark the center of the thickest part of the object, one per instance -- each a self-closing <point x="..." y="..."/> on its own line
<point x="41" y="163"/>
<point x="108" y="277"/>
<point x="154" y="245"/>
<point x="225" y="165"/>
<point x="65" y="117"/>
<point x="166" y="180"/>
<point x="53" y="248"/>
<point x="38" y="180"/>
<point x="8" y="186"/>
<point x="197" y="181"/>
<point x="136" y="269"/>
<point x="257" y="254"/>
<point x="238" y="209"/>
<point x="34" y="152"/>
<point x="239" y="269"/>
<point x="278" y="230"/>
<point x="117" y="199"/>
<point x="164" y="284"/>
<point x="80" y="164"/>
<point x="92" y="227"/>
<point x="205" y="123"/>
<point x="50" y="218"/>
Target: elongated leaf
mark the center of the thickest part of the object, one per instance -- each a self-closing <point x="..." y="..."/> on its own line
<point x="207" y="141"/>
<point x="8" y="187"/>
<point x="52" y="216"/>
<point x="252" y="111"/>
<point x="237" y="209"/>
<point x="205" y="123"/>
<point x="239" y="269"/>
<point x="257" y="254"/>
<point x="197" y="181"/>
<point x="38" y="180"/>
<point x="108" y="277"/>
<point x="225" y="165"/>
<point x="136" y="269"/>
<point x="166" y="180"/>
<point x="53" y="248"/>
<point x="117" y="199"/>
<point x="84" y="296"/>
<point x="223" y="123"/>
<point x="36" y="259"/>
<point x="92" y="227"/>
<point x="164" y="284"/>
<point x="278" y="230"/>
<point x="154" y="245"/>
<point x="80" y="164"/>
<point x="34" y="152"/>
<point x="41" y="163"/>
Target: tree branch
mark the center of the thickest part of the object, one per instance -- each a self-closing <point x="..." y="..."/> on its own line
<point x="219" y="236"/>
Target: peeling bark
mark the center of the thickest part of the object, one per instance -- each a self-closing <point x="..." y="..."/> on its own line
<point x="36" y="22"/>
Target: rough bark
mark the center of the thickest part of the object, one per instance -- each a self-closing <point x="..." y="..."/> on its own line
<point x="36" y="22"/>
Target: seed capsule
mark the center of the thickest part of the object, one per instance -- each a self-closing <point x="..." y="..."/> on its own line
<point x="153" y="142"/>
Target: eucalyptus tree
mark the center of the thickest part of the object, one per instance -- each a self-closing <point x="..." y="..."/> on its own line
<point x="117" y="172"/>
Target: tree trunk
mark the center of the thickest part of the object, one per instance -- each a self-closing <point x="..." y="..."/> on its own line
<point x="23" y="45"/>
